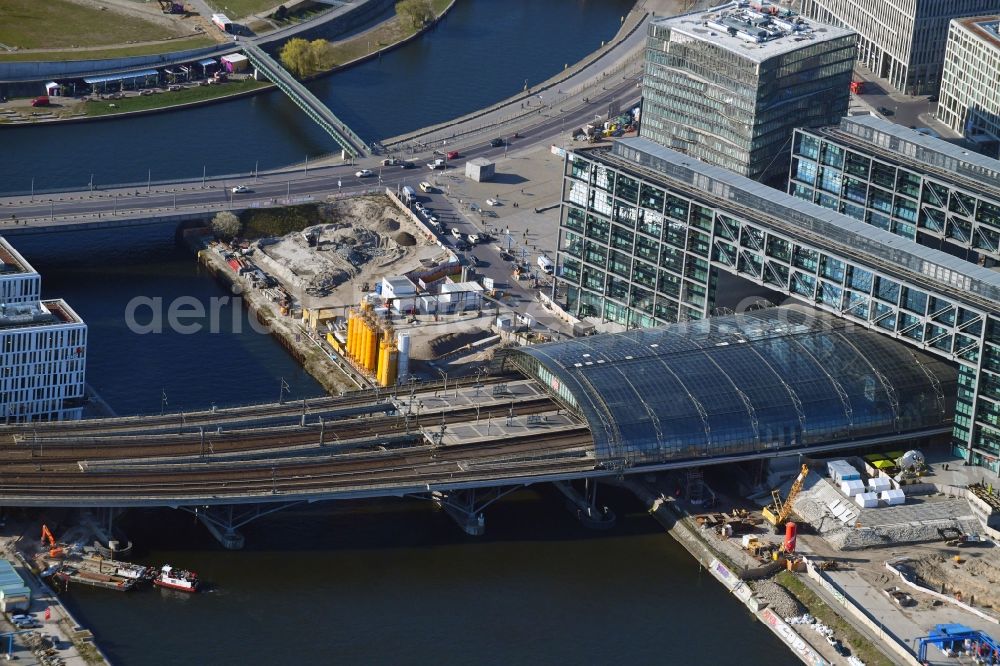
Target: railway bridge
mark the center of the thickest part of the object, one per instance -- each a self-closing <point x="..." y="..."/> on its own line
<point x="770" y="383"/>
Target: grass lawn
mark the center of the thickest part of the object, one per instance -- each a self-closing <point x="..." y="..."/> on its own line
<point x="388" y="32"/>
<point x="860" y="646"/>
<point x="31" y="24"/>
<point x="101" y="54"/>
<point x="235" y="9"/>
<point x="165" y="99"/>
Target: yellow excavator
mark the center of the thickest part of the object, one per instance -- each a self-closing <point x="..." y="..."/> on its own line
<point x="777" y="513"/>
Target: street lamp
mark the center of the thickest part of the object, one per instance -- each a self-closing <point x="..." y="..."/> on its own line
<point x="445" y="376"/>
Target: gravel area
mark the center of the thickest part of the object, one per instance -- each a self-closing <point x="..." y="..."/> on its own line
<point x="778" y="598"/>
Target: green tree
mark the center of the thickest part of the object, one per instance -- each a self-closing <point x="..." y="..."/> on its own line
<point x="303" y="58"/>
<point x="225" y="225"/>
<point x="321" y="53"/>
<point x="298" y="58"/>
<point x="414" y="13"/>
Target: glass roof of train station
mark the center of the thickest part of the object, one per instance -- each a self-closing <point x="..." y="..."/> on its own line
<point x="776" y="378"/>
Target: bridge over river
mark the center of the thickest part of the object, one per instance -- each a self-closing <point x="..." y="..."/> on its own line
<point x="720" y="390"/>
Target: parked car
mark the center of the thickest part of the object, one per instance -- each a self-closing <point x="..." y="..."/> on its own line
<point x="364" y="173"/>
<point x="240" y="189"/>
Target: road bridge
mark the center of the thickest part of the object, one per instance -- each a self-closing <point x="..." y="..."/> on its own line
<point x="351" y="143"/>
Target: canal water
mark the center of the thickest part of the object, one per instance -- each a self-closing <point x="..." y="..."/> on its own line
<point x="391" y="582"/>
<point x="482" y="52"/>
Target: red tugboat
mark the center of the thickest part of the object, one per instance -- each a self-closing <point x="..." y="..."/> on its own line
<point x="177" y="579"/>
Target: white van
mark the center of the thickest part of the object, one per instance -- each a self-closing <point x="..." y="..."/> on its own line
<point x="409" y="194"/>
<point x="426" y="187"/>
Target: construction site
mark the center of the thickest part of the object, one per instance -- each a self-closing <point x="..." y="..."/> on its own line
<point x="365" y="297"/>
<point x="881" y="558"/>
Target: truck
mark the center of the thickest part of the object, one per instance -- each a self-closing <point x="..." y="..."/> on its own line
<point x="436" y="164"/>
<point x="545" y="264"/>
<point x="409" y="195"/>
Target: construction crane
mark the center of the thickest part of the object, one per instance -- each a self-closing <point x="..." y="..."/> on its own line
<point x="54" y="549"/>
<point x="777" y="513"/>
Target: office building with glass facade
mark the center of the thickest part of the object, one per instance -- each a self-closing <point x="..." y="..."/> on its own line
<point x="43" y="348"/>
<point x="970" y="86"/>
<point x="915" y="186"/>
<point x="729" y="85"/>
<point x="645" y="231"/>
<point x="902" y="41"/>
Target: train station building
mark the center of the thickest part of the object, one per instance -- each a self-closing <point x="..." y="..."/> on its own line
<point x="645" y="233"/>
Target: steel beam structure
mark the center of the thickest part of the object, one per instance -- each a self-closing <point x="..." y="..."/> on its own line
<point x="317" y="111"/>
<point x="641" y="247"/>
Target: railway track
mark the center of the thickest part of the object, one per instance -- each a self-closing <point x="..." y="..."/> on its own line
<point x="221" y="417"/>
<point x="53" y="456"/>
<point x="542" y="453"/>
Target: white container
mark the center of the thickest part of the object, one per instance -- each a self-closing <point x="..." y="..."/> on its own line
<point x="879" y="484"/>
<point x="893" y="497"/>
<point x="852" y="487"/>
<point x="867" y="500"/>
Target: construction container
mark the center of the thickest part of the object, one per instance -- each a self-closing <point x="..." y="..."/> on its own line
<point x="852" y="487"/>
<point x="893" y="497"/>
<point x="878" y="484"/>
<point x="866" y="500"/>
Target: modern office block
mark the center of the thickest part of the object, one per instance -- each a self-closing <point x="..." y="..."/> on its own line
<point x="645" y="231"/>
<point x="898" y="179"/>
<point x="900" y="40"/>
<point x="970" y="86"/>
<point x="43" y="348"/>
<point x="729" y="85"/>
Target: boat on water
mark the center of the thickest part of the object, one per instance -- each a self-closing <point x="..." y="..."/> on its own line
<point x="177" y="579"/>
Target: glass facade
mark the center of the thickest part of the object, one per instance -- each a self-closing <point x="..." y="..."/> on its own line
<point x="713" y="220"/>
<point x="737" y="109"/>
<point x="903" y="196"/>
<point x="780" y="378"/>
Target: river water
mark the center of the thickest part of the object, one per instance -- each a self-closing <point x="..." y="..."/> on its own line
<point x="392" y="582"/>
<point x="483" y="51"/>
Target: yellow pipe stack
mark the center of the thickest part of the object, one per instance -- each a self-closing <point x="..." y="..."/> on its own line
<point x="388" y="359"/>
<point x="352" y="332"/>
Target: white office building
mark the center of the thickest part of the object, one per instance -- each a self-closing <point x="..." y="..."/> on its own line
<point x="43" y="348"/>
<point x="900" y="40"/>
<point x="970" y="86"/>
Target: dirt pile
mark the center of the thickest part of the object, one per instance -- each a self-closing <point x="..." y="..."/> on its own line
<point x="975" y="576"/>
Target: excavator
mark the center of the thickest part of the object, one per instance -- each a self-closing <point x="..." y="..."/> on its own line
<point x="777" y="514"/>
<point x="54" y="549"/>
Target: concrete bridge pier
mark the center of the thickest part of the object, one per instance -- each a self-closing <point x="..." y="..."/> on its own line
<point x="223" y="531"/>
<point x="224" y="521"/>
<point x="466" y="507"/>
<point x="584" y="505"/>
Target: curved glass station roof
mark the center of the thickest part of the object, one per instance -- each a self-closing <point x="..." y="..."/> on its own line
<point x="768" y="379"/>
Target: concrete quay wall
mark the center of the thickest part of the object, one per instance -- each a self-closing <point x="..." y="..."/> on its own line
<point x="331" y="24"/>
